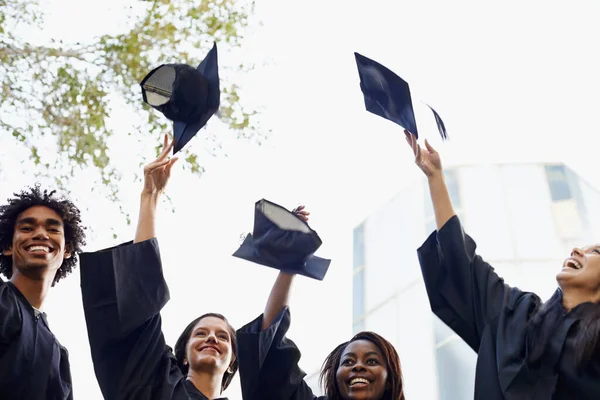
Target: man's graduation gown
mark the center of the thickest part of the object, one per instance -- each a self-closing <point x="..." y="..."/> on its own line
<point x="123" y="292"/>
<point x="492" y="317"/>
<point x="33" y="364"/>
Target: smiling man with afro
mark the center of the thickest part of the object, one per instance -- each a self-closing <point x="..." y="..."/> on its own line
<point x="40" y="237"/>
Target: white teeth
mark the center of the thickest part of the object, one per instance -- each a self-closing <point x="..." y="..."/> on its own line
<point x="36" y="248"/>
<point x="358" y="380"/>
<point x="573" y="264"/>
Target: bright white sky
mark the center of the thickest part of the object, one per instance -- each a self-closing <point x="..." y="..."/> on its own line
<point x="513" y="81"/>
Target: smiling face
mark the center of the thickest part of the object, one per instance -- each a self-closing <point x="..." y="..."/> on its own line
<point x="362" y="373"/>
<point x="209" y="347"/>
<point x="581" y="271"/>
<point x="38" y="243"/>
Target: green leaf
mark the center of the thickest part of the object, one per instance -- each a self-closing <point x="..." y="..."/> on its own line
<point x="64" y="91"/>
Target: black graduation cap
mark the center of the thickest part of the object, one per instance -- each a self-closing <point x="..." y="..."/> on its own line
<point x="388" y="95"/>
<point x="283" y="241"/>
<point x="186" y="95"/>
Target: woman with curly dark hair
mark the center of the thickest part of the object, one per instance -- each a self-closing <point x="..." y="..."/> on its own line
<point x="366" y="367"/>
<point x="40" y="237"/>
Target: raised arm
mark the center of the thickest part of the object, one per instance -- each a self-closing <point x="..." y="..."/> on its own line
<point x="123" y="291"/>
<point x="280" y="292"/>
<point x="278" y="299"/>
<point x="156" y="176"/>
<point x="268" y="359"/>
<point x="463" y="290"/>
<point x="431" y="164"/>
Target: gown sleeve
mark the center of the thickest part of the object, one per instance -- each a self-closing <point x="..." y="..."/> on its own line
<point x="269" y="362"/>
<point x="463" y="290"/>
<point x="123" y="291"/>
<point x="10" y="324"/>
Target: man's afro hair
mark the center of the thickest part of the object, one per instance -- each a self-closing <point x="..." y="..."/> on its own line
<point x="32" y="197"/>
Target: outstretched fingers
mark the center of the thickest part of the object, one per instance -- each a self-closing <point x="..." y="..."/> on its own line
<point x="301" y="213"/>
<point x="429" y="147"/>
<point x="161" y="161"/>
<point x="156" y="165"/>
<point x="417" y="151"/>
<point x="410" y="139"/>
<point x="170" y="165"/>
<point x="407" y="137"/>
<point x="414" y="144"/>
<point x="166" y="148"/>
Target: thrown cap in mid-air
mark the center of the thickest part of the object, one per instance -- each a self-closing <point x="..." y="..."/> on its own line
<point x="388" y="95"/>
<point x="186" y="95"/>
<point x="281" y="240"/>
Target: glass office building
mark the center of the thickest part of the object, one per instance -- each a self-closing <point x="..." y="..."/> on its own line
<point x="525" y="219"/>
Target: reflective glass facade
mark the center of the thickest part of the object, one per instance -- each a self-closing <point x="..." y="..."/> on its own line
<point x="525" y="219"/>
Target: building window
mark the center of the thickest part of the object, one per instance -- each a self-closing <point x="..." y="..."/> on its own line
<point x="452" y="183"/>
<point x="430" y="226"/>
<point x="456" y="363"/>
<point x="358" y="326"/>
<point x="568" y="222"/>
<point x="358" y="294"/>
<point x="451" y="177"/>
<point x="558" y="182"/>
<point x="429" y="212"/>
<point x="442" y="331"/>
<point x="359" y="246"/>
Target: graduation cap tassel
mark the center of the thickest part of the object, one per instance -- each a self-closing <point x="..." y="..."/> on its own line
<point x="440" y="123"/>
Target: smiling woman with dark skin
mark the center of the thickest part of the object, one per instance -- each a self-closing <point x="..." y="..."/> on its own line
<point x="526" y="349"/>
<point x="365" y="368"/>
<point x="358" y="369"/>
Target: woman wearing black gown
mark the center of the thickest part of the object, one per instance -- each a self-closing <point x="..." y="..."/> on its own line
<point x="123" y="293"/>
<point x="526" y="349"/>
<point x="366" y="367"/>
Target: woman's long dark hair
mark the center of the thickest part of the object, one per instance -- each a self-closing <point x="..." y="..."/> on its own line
<point x="394" y="388"/>
<point x="181" y="345"/>
<point x="546" y="319"/>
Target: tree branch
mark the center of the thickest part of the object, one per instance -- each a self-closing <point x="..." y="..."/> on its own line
<point x="46" y="52"/>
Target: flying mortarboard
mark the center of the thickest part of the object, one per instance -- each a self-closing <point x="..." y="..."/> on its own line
<point x="283" y="241"/>
<point x="186" y="95"/>
<point x="388" y="95"/>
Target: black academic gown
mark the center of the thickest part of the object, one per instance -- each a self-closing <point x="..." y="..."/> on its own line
<point x="465" y="293"/>
<point x="123" y="291"/>
<point x="33" y="365"/>
<point x="269" y="362"/>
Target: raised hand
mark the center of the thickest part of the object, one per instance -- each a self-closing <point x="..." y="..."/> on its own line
<point x="300" y="212"/>
<point x="157" y="173"/>
<point x="427" y="159"/>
